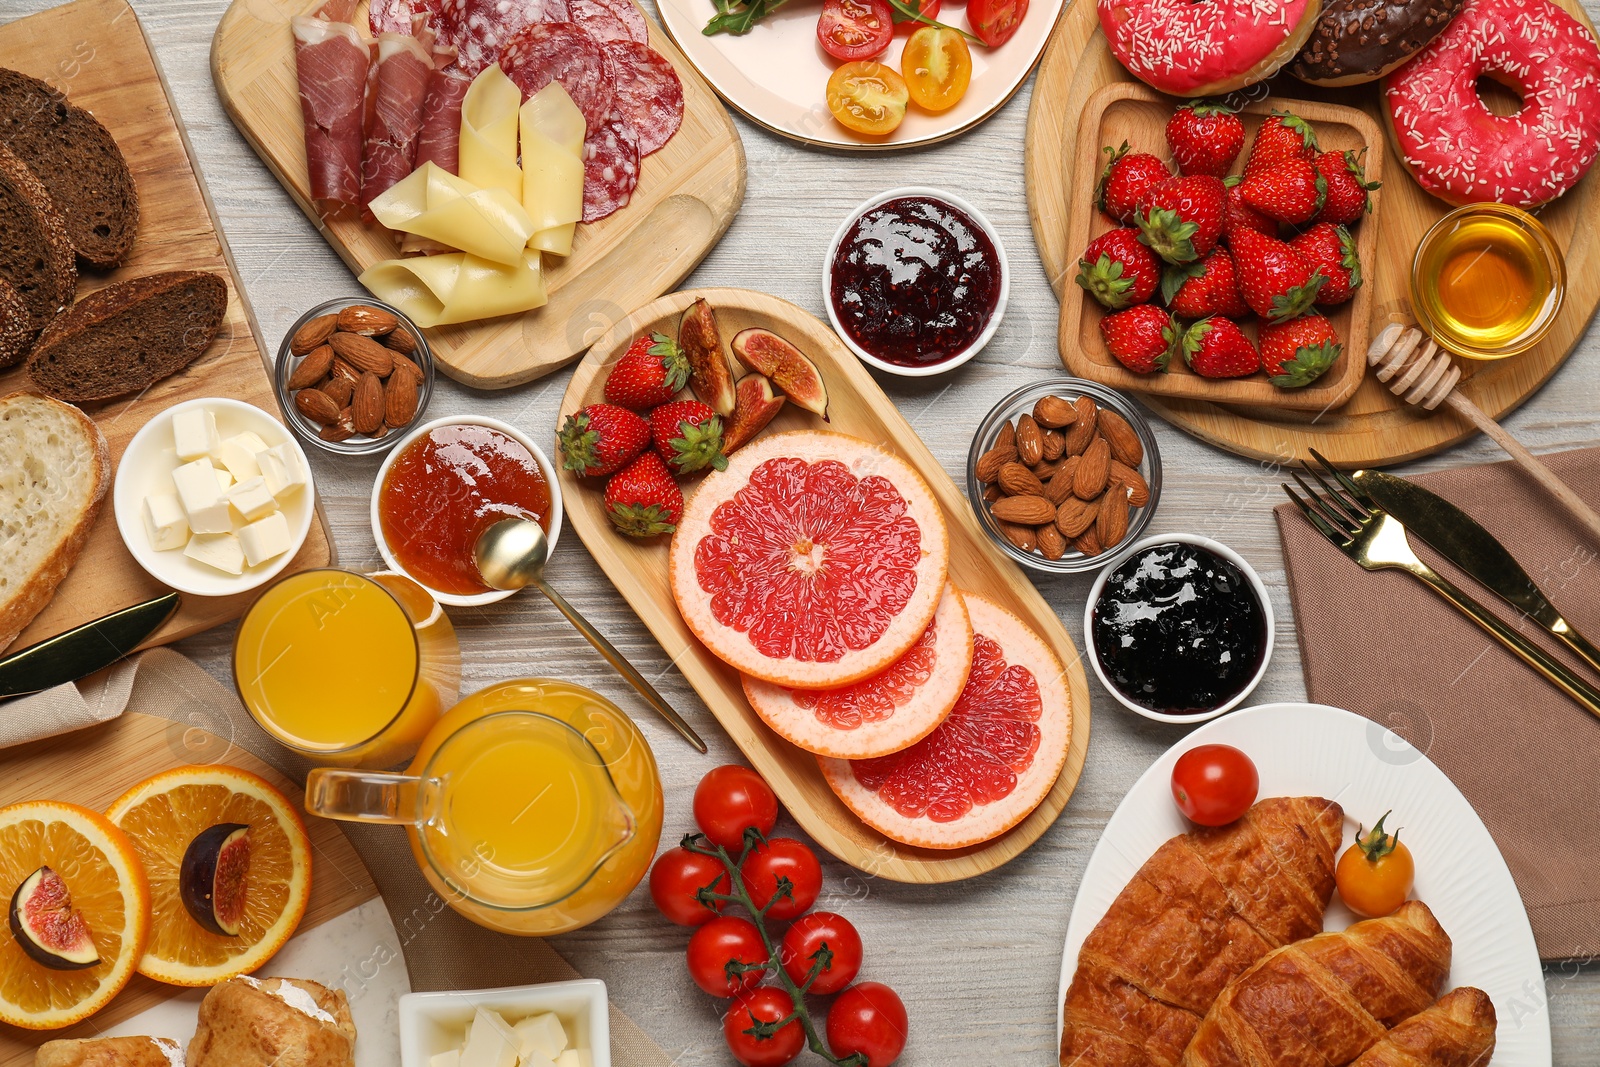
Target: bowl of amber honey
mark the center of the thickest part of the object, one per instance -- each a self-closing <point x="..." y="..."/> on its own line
<point x="1487" y="281"/>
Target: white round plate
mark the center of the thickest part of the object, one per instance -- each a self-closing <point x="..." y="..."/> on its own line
<point x="1314" y="750"/>
<point x="777" y="74"/>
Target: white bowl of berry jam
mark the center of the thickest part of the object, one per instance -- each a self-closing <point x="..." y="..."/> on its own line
<point x="916" y="281"/>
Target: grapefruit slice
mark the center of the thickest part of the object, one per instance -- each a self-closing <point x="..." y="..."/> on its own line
<point x="890" y="711"/>
<point x="989" y="764"/>
<point x="814" y="561"/>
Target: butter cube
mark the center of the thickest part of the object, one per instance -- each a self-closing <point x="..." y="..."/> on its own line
<point x="164" y="522"/>
<point x="446" y="1059"/>
<point x="573" y="1058"/>
<point x="264" y="539"/>
<point x="238" y="454"/>
<point x="541" y="1033"/>
<point x="224" y="479"/>
<point x="282" y="469"/>
<point x="194" y="433"/>
<point x="534" y="1058"/>
<point x="221" y="551"/>
<point x="201" y="497"/>
<point x="490" y="1042"/>
<point x="252" y="500"/>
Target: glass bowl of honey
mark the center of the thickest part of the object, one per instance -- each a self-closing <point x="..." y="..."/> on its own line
<point x="1487" y="281"/>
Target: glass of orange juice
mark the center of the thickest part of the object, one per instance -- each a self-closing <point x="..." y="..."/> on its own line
<point x="347" y="669"/>
<point x="533" y="807"/>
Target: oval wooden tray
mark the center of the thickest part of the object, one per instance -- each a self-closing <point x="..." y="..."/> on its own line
<point x="639" y="571"/>
<point x="1375" y="428"/>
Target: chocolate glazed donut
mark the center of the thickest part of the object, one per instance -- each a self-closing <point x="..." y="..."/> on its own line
<point x="1362" y="40"/>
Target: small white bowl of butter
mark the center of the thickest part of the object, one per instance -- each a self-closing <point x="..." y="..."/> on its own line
<point x="557" y="1024"/>
<point x="213" y="497"/>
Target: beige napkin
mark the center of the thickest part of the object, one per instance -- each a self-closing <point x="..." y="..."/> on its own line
<point x="98" y="698"/>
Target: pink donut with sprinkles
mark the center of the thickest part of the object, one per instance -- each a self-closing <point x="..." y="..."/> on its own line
<point x="1206" y="47"/>
<point x="1460" y="151"/>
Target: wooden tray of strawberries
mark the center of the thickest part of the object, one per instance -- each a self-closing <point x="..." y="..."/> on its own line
<point x="1133" y="113"/>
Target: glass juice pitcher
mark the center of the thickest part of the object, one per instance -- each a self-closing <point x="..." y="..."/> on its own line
<point x="533" y="807"/>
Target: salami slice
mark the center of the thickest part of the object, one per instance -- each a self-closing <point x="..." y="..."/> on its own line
<point x="479" y="29"/>
<point x="631" y="17"/>
<point x="597" y="20"/>
<point x="561" y="52"/>
<point x="649" y="93"/>
<point x="389" y="16"/>
<point x="610" y="167"/>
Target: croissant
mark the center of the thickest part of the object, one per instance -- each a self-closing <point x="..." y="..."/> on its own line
<point x="1456" y="1032"/>
<point x="110" y="1052"/>
<point x="1201" y="910"/>
<point x="1326" y="999"/>
<point x="273" y="1022"/>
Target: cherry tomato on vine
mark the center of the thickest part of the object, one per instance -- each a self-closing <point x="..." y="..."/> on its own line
<point x="782" y="857"/>
<point x="730" y="800"/>
<point x="927" y="9"/>
<point x="937" y="67"/>
<point x="722" y="941"/>
<point x="674" y="879"/>
<point x="855" y="29"/>
<point x="867" y="97"/>
<point x="807" y="937"/>
<point x="868" y="1018"/>
<point x="1214" y="784"/>
<point x="1375" y="873"/>
<point x="767" y="1004"/>
<point x="995" y="21"/>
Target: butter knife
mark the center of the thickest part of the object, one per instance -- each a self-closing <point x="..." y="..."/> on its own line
<point x="84" y="649"/>
<point x="1459" y="538"/>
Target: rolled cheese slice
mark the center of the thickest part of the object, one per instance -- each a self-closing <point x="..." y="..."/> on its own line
<point x="552" y="167"/>
<point x="456" y="287"/>
<point x="431" y="202"/>
<point x="488" y="152"/>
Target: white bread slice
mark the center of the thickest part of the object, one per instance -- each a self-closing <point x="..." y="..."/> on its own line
<point x="54" y="470"/>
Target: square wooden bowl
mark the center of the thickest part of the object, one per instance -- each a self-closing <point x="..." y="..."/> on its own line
<point x="1137" y="114"/>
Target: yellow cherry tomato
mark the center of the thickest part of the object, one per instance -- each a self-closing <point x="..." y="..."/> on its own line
<point x="1375" y="874"/>
<point x="937" y="67"/>
<point x="868" y="97"/>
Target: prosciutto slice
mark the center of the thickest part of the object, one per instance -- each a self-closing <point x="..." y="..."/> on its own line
<point x="331" y="67"/>
<point x="395" y="120"/>
<point x="439" y="140"/>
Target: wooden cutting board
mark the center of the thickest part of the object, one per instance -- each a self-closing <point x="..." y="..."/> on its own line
<point x="688" y="193"/>
<point x="856" y="406"/>
<point x="96" y="52"/>
<point x="1374" y="428"/>
<point x="94" y="767"/>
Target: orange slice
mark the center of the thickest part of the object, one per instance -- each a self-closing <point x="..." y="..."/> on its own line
<point x="102" y="873"/>
<point x="163" y="815"/>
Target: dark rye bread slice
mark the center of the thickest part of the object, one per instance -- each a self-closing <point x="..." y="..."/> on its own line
<point x="16" y="326"/>
<point x="35" y="254"/>
<point x="78" y="160"/>
<point x="127" y="336"/>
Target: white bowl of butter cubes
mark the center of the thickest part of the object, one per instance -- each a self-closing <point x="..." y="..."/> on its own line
<point x="213" y="497"/>
<point x="558" y="1024"/>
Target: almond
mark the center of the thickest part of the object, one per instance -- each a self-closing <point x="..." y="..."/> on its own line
<point x="1083" y="427"/>
<point x="1124" y="442"/>
<point x="1054" y="412"/>
<point x="988" y="466"/>
<point x="401" y="363"/>
<point x="1093" y="470"/>
<point x="312" y="369"/>
<point x="367" y="321"/>
<point x="1060" y="485"/>
<point x="342" y="369"/>
<point x="991" y="494"/>
<point x="337" y="432"/>
<point x="366" y="407"/>
<point x="313" y="334"/>
<point x="1075" y="516"/>
<point x="1088" y="543"/>
<point x="1006" y="438"/>
<point x="1044" y="470"/>
<point x="340" y="389"/>
<point x="1030" y="441"/>
<point x="400" y="340"/>
<point x="363" y="353"/>
<point x="1021" y="536"/>
<point x="1111" y="524"/>
<point x="1024" y="510"/>
<point x="316" y="406"/>
<point x="1052" y="543"/>
<point x="1055" y="443"/>
<point x="399" y="400"/>
<point x="1138" y="489"/>
<point x="1017" y="480"/>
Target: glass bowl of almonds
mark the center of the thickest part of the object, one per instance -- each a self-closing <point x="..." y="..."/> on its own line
<point x="353" y="375"/>
<point x="1062" y="472"/>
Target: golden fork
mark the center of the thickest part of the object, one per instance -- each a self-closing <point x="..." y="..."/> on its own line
<point x="1377" y="541"/>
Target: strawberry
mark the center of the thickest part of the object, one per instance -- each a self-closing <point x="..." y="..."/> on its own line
<point x="1217" y="348"/>
<point x="600" y="438"/>
<point x="1205" y="138"/>
<point x="688" y="436"/>
<point x="1181" y="219"/>
<point x="1298" y="352"/>
<point x="1240" y="214"/>
<point x="1276" y="280"/>
<point x="642" y="500"/>
<point x="1347" y="187"/>
<point x="650" y="372"/>
<point x="1331" y="250"/>
<point x="1125" y="180"/>
<point x="1117" y="270"/>
<point x="1141" y="337"/>
<point x="1281" y="136"/>
<point x="1209" y="287"/>
<point x="1290" y="190"/>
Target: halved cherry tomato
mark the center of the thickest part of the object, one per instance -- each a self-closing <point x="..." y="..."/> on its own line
<point x="1214" y="784"/>
<point x="1375" y="873"/>
<point x="782" y="857"/>
<point x="995" y="21"/>
<point x="731" y="799"/>
<point x="675" y="878"/>
<point x="855" y="29"/>
<point x="937" y="67"/>
<point x="927" y="9"/>
<point x="806" y="938"/>
<point x="718" y="943"/>
<point x="768" y="1004"/>
<point x="868" y="97"/>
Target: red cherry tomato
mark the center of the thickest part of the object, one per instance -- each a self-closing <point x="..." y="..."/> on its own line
<point x="730" y="800"/>
<point x="928" y="9"/>
<point x="807" y="937"/>
<point x="870" y="1019"/>
<point x="995" y="21"/>
<point x="722" y="941"/>
<point x="766" y="1004"/>
<point x="855" y="29"/>
<point x="674" y="879"/>
<point x="783" y="857"/>
<point x="1214" y="784"/>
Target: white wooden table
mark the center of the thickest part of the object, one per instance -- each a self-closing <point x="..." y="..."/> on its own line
<point x="976" y="962"/>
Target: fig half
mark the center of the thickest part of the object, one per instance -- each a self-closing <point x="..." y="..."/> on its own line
<point x="754" y="406"/>
<point x="50" y="930"/>
<point x="789" y="368"/>
<point x="214" y="879"/>
<point x="710" y="369"/>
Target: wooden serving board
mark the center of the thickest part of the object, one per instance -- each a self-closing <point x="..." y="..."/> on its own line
<point x="639" y="570"/>
<point x="96" y="52"/>
<point x="1375" y="428"/>
<point x="94" y="767"/>
<point x="1133" y="113"/>
<point x="688" y="193"/>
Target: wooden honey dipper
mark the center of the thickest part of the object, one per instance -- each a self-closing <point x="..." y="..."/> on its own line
<point x="1419" y="372"/>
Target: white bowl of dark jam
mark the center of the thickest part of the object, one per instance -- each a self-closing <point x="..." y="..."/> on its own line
<point x="1179" y="628"/>
<point x="916" y="281"/>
